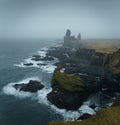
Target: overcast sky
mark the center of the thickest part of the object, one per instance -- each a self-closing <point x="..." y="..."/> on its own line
<point x="51" y="18"/>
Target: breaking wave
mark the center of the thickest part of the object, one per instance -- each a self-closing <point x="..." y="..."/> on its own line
<point x="46" y="66"/>
<point x="41" y="96"/>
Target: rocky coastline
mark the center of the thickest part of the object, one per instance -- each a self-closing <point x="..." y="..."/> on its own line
<point x="79" y="73"/>
<point x="96" y="71"/>
<point x="93" y="69"/>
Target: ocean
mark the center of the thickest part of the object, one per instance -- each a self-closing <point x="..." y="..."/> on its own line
<point x="24" y="108"/>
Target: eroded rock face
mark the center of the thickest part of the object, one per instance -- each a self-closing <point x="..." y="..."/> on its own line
<point x="66" y="91"/>
<point x="93" y="70"/>
<point x="115" y="59"/>
<point x="69" y="91"/>
<point x="63" y="99"/>
<point x="32" y="86"/>
<point x="114" y="63"/>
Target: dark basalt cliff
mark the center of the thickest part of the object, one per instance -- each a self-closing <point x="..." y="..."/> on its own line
<point x="85" y="72"/>
<point x="81" y="72"/>
<point x="67" y="91"/>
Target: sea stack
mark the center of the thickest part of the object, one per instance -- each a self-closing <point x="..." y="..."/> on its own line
<point x="71" y="41"/>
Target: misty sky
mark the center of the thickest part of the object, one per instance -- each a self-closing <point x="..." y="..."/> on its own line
<point x="51" y="18"/>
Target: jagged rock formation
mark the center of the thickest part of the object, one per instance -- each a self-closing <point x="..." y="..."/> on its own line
<point x="71" y="41"/>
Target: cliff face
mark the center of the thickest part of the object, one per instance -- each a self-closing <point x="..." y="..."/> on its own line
<point x="85" y="72"/>
<point x="106" y="116"/>
<point x="71" y="88"/>
<point x="115" y="62"/>
<point x="67" y="91"/>
<point x="67" y="82"/>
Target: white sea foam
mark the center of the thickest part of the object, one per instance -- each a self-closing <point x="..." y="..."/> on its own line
<point x="41" y="94"/>
<point x="41" y="97"/>
<point x="67" y="115"/>
<point x="10" y="90"/>
<point x="43" y="52"/>
<point x="62" y="70"/>
<point x="26" y="61"/>
<point x="49" y="66"/>
<point x="86" y="109"/>
<point x="70" y="115"/>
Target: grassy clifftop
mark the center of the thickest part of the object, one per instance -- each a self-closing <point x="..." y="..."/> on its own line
<point x="67" y="82"/>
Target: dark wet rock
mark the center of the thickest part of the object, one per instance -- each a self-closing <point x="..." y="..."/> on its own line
<point x="66" y="91"/>
<point x="110" y="86"/>
<point x="85" y="116"/>
<point x="91" y="67"/>
<point x="28" y="64"/>
<point x="32" y="86"/>
<point x="69" y="91"/>
<point x="97" y="59"/>
<point x="62" y="99"/>
<point x="93" y="106"/>
<point x="41" y="64"/>
<point x="39" y="58"/>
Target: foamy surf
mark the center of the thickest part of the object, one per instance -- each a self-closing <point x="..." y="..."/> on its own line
<point x="45" y="66"/>
<point x="70" y="115"/>
<point x="10" y="90"/>
<point x="41" y="96"/>
<point x="43" y="52"/>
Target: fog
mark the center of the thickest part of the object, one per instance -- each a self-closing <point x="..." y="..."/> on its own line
<point x="51" y="18"/>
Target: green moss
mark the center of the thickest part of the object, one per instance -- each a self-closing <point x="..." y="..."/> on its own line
<point x="67" y="82"/>
<point x="108" y="116"/>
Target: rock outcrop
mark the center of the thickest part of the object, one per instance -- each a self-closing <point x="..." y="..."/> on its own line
<point x="32" y="86"/>
<point x="93" y="69"/>
<point x="67" y="91"/>
<point x="71" y="41"/>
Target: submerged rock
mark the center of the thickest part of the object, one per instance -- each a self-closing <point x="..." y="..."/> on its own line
<point x="32" y="86"/>
<point x="28" y="64"/>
